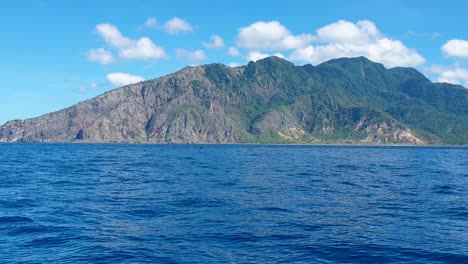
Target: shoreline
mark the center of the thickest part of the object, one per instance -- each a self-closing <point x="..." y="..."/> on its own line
<point x="244" y="144"/>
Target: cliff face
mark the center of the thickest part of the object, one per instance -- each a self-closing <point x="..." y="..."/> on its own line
<point x="270" y="101"/>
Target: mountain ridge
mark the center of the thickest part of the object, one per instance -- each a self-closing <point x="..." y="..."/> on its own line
<point x="346" y="100"/>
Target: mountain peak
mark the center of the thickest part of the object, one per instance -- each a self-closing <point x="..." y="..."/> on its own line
<point x="343" y="100"/>
<point x="353" y="61"/>
<point x="406" y="73"/>
<point x="275" y="59"/>
<point x="353" y="67"/>
<point x="275" y="62"/>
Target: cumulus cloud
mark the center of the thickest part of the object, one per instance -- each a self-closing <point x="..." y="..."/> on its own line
<point x="344" y="32"/>
<point x="112" y="36"/>
<point x="255" y="55"/>
<point x="454" y="75"/>
<point x="347" y="39"/>
<point x="270" y="36"/>
<point x="143" y="48"/>
<point x="216" y="42"/>
<point x="100" y="55"/>
<point x="138" y="49"/>
<point x="234" y="52"/>
<point x="457" y="48"/>
<point x="121" y="79"/>
<point x="193" y="57"/>
<point x="177" y="25"/>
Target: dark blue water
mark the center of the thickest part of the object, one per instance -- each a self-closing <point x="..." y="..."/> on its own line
<point x="234" y="204"/>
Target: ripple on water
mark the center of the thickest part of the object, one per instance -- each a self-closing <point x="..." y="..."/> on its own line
<point x="14" y="219"/>
<point x="111" y="203"/>
<point x="444" y="189"/>
<point x="18" y="203"/>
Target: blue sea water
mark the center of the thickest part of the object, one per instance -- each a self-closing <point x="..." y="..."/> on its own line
<point x="93" y="203"/>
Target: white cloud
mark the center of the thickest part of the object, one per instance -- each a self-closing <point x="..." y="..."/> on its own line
<point x="216" y="42"/>
<point x="255" y="55"/>
<point x="346" y="39"/>
<point x="142" y="48"/>
<point x="112" y="35"/>
<point x="151" y="22"/>
<point x="121" y="79"/>
<point x="100" y="55"/>
<point x="456" y="48"/>
<point x="306" y="54"/>
<point x="344" y="32"/>
<point x="279" y="55"/>
<point x="270" y="36"/>
<point x="193" y="57"/>
<point x="234" y="52"/>
<point x="177" y="25"/>
<point x="234" y="64"/>
<point x="454" y="75"/>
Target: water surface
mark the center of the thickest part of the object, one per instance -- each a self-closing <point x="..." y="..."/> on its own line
<point x="237" y="204"/>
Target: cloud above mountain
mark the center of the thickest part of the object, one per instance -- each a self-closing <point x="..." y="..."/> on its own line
<point x="456" y="48"/>
<point x="347" y="39"/>
<point x="100" y="55"/>
<point x="121" y="79"/>
<point x="216" y="42"/>
<point x="127" y="48"/>
<point x="271" y="38"/>
<point x="177" y="25"/>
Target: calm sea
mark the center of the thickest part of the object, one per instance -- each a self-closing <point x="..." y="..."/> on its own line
<point x="74" y="203"/>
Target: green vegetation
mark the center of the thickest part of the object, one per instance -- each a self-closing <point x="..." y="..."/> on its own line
<point x="348" y="100"/>
<point x="337" y="100"/>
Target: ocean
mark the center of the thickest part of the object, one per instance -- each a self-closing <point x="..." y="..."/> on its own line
<point x="118" y="203"/>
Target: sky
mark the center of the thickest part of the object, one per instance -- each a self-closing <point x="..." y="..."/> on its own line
<point x="54" y="54"/>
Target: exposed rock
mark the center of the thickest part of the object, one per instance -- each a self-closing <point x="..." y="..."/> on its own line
<point x="269" y="101"/>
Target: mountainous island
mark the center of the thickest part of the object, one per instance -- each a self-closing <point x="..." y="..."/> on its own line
<point x="347" y="100"/>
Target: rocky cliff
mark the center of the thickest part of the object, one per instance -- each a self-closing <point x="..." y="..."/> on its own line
<point x="269" y="101"/>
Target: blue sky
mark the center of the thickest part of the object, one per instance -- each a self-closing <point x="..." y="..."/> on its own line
<point x="55" y="53"/>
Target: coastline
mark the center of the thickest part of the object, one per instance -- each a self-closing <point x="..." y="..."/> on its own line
<point x="243" y="144"/>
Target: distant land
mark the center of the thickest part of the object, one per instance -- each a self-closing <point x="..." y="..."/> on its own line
<point x="341" y="101"/>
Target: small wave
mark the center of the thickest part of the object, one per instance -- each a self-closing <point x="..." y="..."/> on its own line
<point x="444" y="189"/>
<point x="280" y="237"/>
<point x="405" y="175"/>
<point x="147" y="213"/>
<point x="48" y="241"/>
<point x="304" y="174"/>
<point x="274" y="209"/>
<point x="242" y="237"/>
<point x="15" y="219"/>
<point x="227" y="184"/>
<point x="20" y="203"/>
<point x="63" y="183"/>
<point x="348" y="167"/>
<point x="349" y="183"/>
<point x="457" y="213"/>
<point x="303" y="226"/>
<point x="198" y="203"/>
<point x="34" y="229"/>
